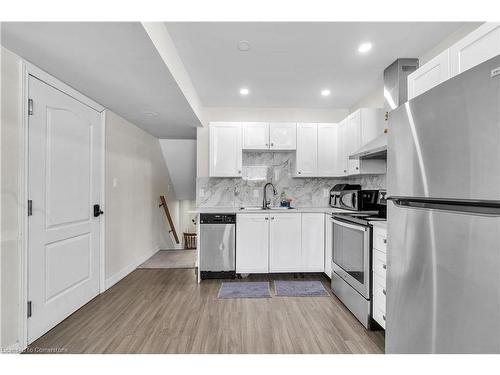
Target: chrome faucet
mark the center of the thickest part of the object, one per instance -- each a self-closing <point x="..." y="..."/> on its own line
<point x="265" y="201"/>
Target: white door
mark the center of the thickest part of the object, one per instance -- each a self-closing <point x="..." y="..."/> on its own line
<point x="342" y="148"/>
<point x="255" y="135"/>
<point x="354" y="141"/>
<point x="307" y="149"/>
<point x="252" y="243"/>
<point x="328" y="245"/>
<point x="283" y="135"/>
<point x="327" y="150"/>
<point x="285" y="243"/>
<point x="480" y="45"/>
<point x="225" y="149"/>
<point x="64" y="185"/>
<point x="313" y="242"/>
<point x="429" y="75"/>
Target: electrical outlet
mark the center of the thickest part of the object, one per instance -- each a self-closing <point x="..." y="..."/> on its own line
<point x="326" y="192"/>
<point x="202" y="193"/>
<point x="255" y="193"/>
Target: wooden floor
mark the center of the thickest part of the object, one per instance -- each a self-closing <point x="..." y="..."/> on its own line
<point x="166" y="311"/>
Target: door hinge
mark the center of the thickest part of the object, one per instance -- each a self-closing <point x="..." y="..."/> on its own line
<point x="29" y="309"/>
<point x="30" y="106"/>
<point x="30" y="207"/>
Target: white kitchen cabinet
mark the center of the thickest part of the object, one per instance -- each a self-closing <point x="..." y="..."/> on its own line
<point x="225" y="149"/>
<point x="252" y="239"/>
<point x="379" y="259"/>
<point x="307" y="150"/>
<point x="354" y="140"/>
<point x="328" y="245"/>
<point x="255" y="135"/>
<point x="341" y="154"/>
<point x="327" y="150"/>
<point x="429" y="75"/>
<point x="363" y="126"/>
<point x="313" y="242"/>
<point x="480" y="45"/>
<point x="285" y="243"/>
<point x="283" y="136"/>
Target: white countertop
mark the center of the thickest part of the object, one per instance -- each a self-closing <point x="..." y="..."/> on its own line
<point x="233" y="210"/>
<point x="380" y="224"/>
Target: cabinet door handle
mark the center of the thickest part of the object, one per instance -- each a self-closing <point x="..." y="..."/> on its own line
<point x="267" y="144"/>
<point x="299" y="172"/>
<point x="384" y="266"/>
<point x="383" y="291"/>
<point x="383" y="317"/>
<point x="357" y="168"/>
<point x="385" y="240"/>
<point x="239" y="172"/>
<point x="272" y="218"/>
<point x="272" y="144"/>
<point x="267" y="218"/>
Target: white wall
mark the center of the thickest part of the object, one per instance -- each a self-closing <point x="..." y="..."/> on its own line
<point x="258" y="114"/>
<point x="135" y="226"/>
<point x="180" y="158"/>
<point x="11" y="180"/>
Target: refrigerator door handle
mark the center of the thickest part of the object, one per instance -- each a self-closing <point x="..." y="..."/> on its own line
<point x="468" y="206"/>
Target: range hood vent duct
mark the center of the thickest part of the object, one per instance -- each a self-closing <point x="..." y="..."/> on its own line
<point x="396" y="82"/>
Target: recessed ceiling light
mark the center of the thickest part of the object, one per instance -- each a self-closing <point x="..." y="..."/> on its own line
<point x="244" y="45"/>
<point x="244" y="91"/>
<point x="365" y="47"/>
<point x="325" y="92"/>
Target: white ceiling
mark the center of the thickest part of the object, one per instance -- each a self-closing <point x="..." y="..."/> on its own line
<point x="113" y="63"/>
<point x="289" y="63"/>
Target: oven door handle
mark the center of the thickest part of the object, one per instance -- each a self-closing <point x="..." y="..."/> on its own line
<point x="343" y="223"/>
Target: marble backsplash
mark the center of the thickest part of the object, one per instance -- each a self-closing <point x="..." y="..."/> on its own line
<point x="275" y="167"/>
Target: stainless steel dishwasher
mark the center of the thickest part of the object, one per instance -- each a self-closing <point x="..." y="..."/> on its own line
<point x="217" y="246"/>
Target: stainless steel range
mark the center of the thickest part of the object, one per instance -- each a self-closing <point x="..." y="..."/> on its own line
<point x="352" y="248"/>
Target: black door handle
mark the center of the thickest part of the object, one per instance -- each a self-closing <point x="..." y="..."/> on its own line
<point x="97" y="210"/>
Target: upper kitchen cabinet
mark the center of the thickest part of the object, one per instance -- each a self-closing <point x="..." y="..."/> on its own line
<point x="480" y="45"/>
<point x="225" y="149"/>
<point x="429" y="75"/>
<point x="307" y="150"/>
<point x="283" y="136"/>
<point x="255" y="135"/>
<point x="327" y="150"/>
<point x="363" y="126"/>
<point x="341" y="156"/>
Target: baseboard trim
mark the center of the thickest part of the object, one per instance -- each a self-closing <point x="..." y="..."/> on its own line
<point x="110" y="281"/>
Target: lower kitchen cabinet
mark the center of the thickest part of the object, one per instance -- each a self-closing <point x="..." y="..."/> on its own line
<point x="285" y="243"/>
<point x="252" y="243"/>
<point x="313" y="242"/>
<point x="379" y="259"/>
<point x="328" y="245"/>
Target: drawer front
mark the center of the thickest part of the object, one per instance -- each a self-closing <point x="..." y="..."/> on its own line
<point x="378" y="315"/>
<point x="380" y="264"/>
<point x="379" y="290"/>
<point x="380" y="239"/>
<point x="379" y="300"/>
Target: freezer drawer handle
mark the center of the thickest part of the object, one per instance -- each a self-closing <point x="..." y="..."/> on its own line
<point x="482" y="207"/>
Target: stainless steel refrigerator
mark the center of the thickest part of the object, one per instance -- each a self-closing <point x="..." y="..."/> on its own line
<point x="443" y="266"/>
